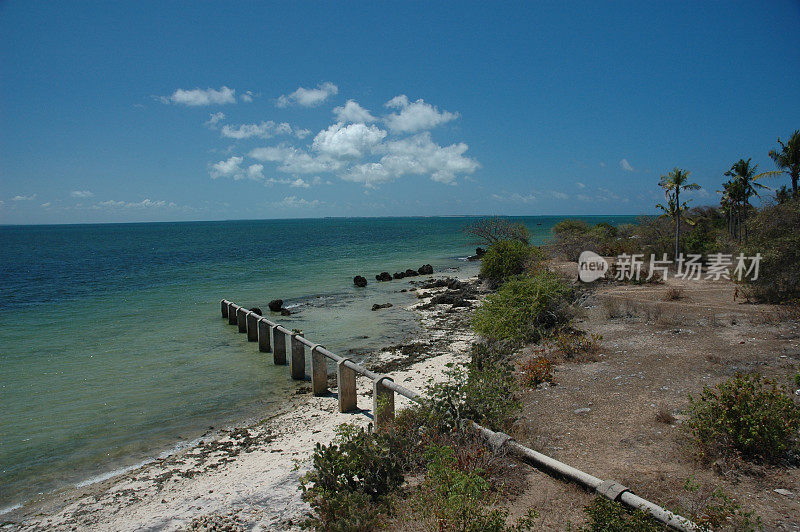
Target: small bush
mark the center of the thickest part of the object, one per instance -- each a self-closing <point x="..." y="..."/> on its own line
<point x="525" y="309"/>
<point x="576" y="344"/>
<point x="484" y="396"/>
<point x="536" y="371"/>
<point x="351" y="477"/>
<point x="713" y="509"/>
<point x="506" y="259"/>
<point x="490" y="353"/>
<point x="609" y="516"/>
<point x="748" y="415"/>
<point x="672" y="294"/>
<point x="489" y="231"/>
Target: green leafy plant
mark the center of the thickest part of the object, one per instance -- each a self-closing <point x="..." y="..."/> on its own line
<point x="525" y="309"/>
<point x="609" y="516"/>
<point x="715" y="510"/>
<point x="747" y="415"/>
<point x="507" y="258"/>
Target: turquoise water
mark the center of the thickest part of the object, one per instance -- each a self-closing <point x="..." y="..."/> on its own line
<point x="112" y="348"/>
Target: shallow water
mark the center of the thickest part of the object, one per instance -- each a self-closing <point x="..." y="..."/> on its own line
<point x="112" y="348"/>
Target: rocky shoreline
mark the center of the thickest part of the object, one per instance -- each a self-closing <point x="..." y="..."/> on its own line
<point x="247" y="477"/>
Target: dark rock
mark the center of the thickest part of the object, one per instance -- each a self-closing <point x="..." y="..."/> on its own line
<point x="257" y="310"/>
<point x="360" y="281"/>
<point x="399" y="275"/>
<point x="377" y="306"/>
<point x="286" y="312"/>
<point x="411" y="273"/>
<point x="480" y="252"/>
<point x="275" y="305"/>
<point x="453" y="284"/>
<point x="426" y="269"/>
<point x="384" y="276"/>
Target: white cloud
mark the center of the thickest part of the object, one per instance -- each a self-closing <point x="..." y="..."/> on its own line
<point x="197" y="97"/>
<point x="146" y="203"/>
<point x="293" y="202"/>
<point x="352" y="112"/>
<point x="24" y="198"/>
<point x="580" y="185"/>
<point x="302" y="133"/>
<point x="559" y="195"/>
<point x="515" y="198"/>
<point x="232" y="168"/>
<point x="247" y="96"/>
<point x="45" y="205"/>
<point x="602" y="164"/>
<point x="263" y="130"/>
<point x="625" y="165"/>
<point x="417" y="155"/>
<point x="352" y="141"/>
<point x="415" y="116"/>
<point x="81" y="194"/>
<point x="295" y="161"/>
<point x="214" y="119"/>
<point x="308" y="97"/>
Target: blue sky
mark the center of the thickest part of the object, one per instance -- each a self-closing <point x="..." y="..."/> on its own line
<point x="155" y="111"/>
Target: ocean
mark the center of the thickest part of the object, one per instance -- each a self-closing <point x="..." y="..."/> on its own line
<point x="113" y="350"/>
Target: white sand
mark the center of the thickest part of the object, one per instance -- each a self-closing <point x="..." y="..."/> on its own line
<point x="253" y="485"/>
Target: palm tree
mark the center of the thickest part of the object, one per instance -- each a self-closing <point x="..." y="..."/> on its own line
<point x="782" y="195"/>
<point x="788" y="158"/>
<point x="744" y="185"/>
<point x="672" y="184"/>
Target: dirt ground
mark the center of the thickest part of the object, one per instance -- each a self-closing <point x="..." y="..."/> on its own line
<point x="602" y="416"/>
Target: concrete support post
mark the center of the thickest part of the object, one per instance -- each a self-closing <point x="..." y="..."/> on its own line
<point x="278" y="346"/>
<point x="382" y="403"/>
<point x="232" y="313"/>
<point x="263" y="336"/>
<point x="224" y="307"/>
<point x="346" y="387"/>
<point x="241" y="319"/>
<point x="297" y="363"/>
<point x="252" y="327"/>
<point x="319" y="372"/>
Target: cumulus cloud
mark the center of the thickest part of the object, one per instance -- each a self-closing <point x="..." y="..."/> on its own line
<point x="625" y="165"/>
<point x="353" y="112"/>
<point x="263" y="130"/>
<point x="308" y="97"/>
<point x="198" y="97"/>
<point x="24" y="198"/>
<point x="296" y="161"/>
<point x="232" y="168"/>
<point x="417" y="155"/>
<point x="247" y="96"/>
<point x="81" y="194"/>
<point x="146" y="203"/>
<point x="352" y="141"/>
<point x="515" y="198"/>
<point x="214" y="119"/>
<point x="293" y="202"/>
<point x="414" y="116"/>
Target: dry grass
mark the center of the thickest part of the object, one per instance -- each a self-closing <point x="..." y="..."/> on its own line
<point x="664" y="415"/>
<point x="672" y="294"/>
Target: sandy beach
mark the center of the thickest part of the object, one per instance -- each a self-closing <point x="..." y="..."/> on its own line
<point x="247" y="476"/>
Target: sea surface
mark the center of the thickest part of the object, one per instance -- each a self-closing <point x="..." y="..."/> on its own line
<point x="113" y="350"/>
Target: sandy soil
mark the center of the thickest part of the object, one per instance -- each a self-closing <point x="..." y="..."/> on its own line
<point x="602" y="416"/>
<point x="248" y="477"/>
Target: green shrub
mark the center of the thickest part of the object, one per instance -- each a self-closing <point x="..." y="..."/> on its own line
<point x="771" y="235"/>
<point x="484" y="396"/>
<point x="609" y="516"/>
<point x="351" y="477"/>
<point x="507" y="258"/>
<point x="749" y="415"/>
<point x="459" y="499"/>
<point x="715" y="510"/>
<point x="576" y="344"/>
<point x="525" y="309"/>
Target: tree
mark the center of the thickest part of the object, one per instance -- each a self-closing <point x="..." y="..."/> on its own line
<point x="673" y="183"/>
<point x="788" y="158"/>
<point x="783" y="194"/>
<point x="743" y="186"/>
<point x="493" y="230"/>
